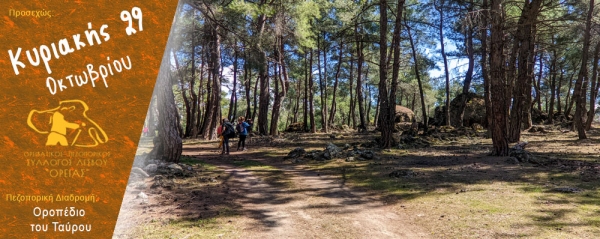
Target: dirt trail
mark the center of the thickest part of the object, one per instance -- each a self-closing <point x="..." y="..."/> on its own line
<point x="315" y="206"/>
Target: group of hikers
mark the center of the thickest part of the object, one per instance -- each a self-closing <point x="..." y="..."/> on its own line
<point x="227" y="131"/>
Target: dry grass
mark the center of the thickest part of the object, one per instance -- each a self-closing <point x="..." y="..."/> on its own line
<point x="460" y="192"/>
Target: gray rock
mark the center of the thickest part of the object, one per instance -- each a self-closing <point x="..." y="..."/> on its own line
<point x="520" y="145"/>
<point x="297" y="152"/>
<point x="141" y="160"/>
<point x="175" y="168"/>
<point x="350" y="159"/>
<point x="522" y="155"/>
<point x="137" y="185"/>
<point x="135" y="177"/>
<point x="319" y="156"/>
<point x="367" y="154"/>
<point x="151" y="168"/>
<point x="142" y="196"/>
<point x="333" y="150"/>
<point x="139" y="171"/>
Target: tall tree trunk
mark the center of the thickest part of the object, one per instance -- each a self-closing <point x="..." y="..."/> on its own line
<point x="359" y="81"/>
<point x="377" y="107"/>
<point x="498" y="90"/>
<point x="305" y="103"/>
<point x="538" y="86"/>
<point x="390" y="116"/>
<point x="168" y="147"/>
<point x="194" y="96"/>
<point x="284" y="83"/>
<point x="276" y="103"/>
<point x="212" y="116"/>
<point x="352" y="113"/>
<point x="263" y="75"/>
<point x="569" y="101"/>
<point x="384" y="104"/>
<point x="186" y="100"/>
<point x="522" y="89"/>
<point x="298" y="97"/>
<point x="418" y="75"/>
<point x="369" y="99"/>
<point x="558" y="87"/>
<point x="255" y="99"/>
<point x="459" y="115"/>
<point x="152" y="117"/>
<point x="445" y="59"/>
<point x="313" y="127"/>
<point x="368" y="105"/>
<point x="233" y="99"/>
<point x="579" y="94"/>
<point x="552" y="85"/>
<point x="248" y="86"/>
<point x="322" y="87"/>
<point x="335" y="86"/>
<point x="593" y="88"/>
<point x="199" y="115"/>
<point x="487" y="84"/>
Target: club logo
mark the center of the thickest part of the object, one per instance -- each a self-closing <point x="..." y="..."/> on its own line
<point x="64" y="125"/>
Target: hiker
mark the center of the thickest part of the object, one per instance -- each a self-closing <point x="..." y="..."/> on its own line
<point x="228" y="132"/>
<point x="242" y="130"/>
<point x="219" y="133"/>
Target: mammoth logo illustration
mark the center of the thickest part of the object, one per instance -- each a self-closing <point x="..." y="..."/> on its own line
<point x="65" y="123"/>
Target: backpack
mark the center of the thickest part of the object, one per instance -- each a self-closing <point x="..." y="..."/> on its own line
<point x="239" y="129"/>
<point x="229" y="131"/>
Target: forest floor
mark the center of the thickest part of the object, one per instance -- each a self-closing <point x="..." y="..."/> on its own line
<point x="450" y="189"/>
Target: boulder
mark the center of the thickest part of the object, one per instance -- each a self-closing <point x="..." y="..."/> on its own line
<point x="333" y="150"/>
<point x="346" y="128"/>
<point x="295" y="127"/>
<point x="538" y="116"/>
<point x="315" y="155"/>
<point x="142" y="196"/>
<point x="474" y="111"/>
<point x="520" y="145"/>
<point x="175" y="168"/>
<point x="522" y="155"/>
<point x="151" y="168"/>
<point x="139" y="171"/>
<point x="367" y="154"/>
<point x="141" y="160"/>
<point x="404" y="114"/>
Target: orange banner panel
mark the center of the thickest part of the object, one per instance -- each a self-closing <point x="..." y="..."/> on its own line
<point x="77" y="78"/>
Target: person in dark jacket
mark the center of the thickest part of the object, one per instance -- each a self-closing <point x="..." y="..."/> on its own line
<point x="225" y="133"/>
<point x="242" y="128"/>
